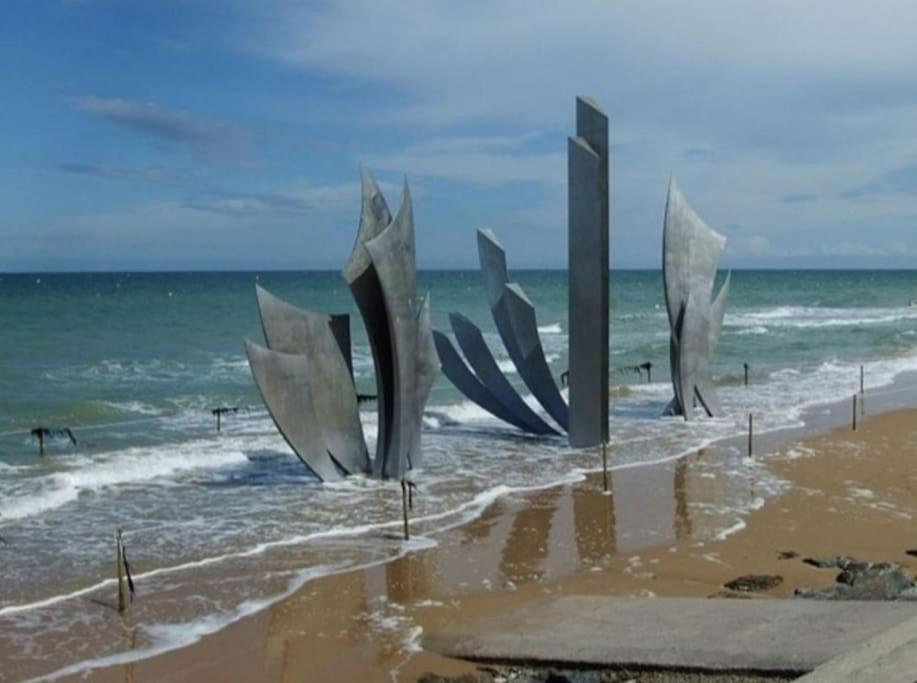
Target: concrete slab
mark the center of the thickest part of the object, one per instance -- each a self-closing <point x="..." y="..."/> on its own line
<point x="890" y="657"/>
<point x="768" y="636"/>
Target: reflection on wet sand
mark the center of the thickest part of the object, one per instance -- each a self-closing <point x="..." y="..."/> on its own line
<point x="595" y="521"/>
<point x="682" y="518"/>
<point x="526" y="547"/>
<point x="362" y="624"/>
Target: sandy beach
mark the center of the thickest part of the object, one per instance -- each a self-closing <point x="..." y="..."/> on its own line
<point x="660" y="533"/>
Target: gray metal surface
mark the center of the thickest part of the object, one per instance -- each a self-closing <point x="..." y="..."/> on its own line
<point x="287" y="328"/>
<point x="360" y="275"/>
<point x="767" y="636"/>
<point x="340" y="328"/>
<point x="588" y="266"/>
<point x="306" y="377"/>
<point x="479" y="357"/>
<point x="458" y="372"/>
<point x="427" y="369"/>
<point x="285" y="383"/>
<point x="515" y="319"/>
<point x="292" y="330"/>
<point x="690" y="253"/>
<point x="392" y="254"/>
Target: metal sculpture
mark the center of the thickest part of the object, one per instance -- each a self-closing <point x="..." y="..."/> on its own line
<point x="514" y="316"/>
<point x="289" y="329"/>
<point x="483" y="382"/>
<point x="586" y="418"/>
<point x="471" y="342"/>
<point x="690" y="254"/>
<point x="588" y="266"/>
<point x="305" y="375"/>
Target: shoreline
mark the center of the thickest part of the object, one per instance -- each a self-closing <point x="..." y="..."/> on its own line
<point x="514" y="504"/>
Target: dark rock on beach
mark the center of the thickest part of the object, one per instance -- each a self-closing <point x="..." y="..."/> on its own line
<point x="861" y="581"/>
<point x="531" y="674"/>
<point x="731" y="595"/>
<point x="754" y="583"/>
<point x="482" y="677"/>
<point x="830" y="562"/>
<point x="787" y="555"/>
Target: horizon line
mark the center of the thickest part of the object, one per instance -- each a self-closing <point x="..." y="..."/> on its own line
<point x="166" y="271"/>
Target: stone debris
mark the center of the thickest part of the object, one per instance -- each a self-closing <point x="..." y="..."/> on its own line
<point x="861" y="581"/>
<point x="526" y="674"/>
<point x="754" y="583"/>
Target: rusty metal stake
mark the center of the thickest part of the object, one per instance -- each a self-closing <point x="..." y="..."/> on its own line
<point x="605" y="466"/>
<point x="404" y="509"/>
<point x="750" y="433"/>
<point x="122" y="599"/>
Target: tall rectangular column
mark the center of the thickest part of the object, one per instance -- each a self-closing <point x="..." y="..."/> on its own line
<point x="588" y="273"/>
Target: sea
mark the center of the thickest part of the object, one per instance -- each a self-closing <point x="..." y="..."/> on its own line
<point x="134" y="363"/>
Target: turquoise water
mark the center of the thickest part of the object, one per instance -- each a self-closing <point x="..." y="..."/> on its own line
<point x="133" y="363"/>
<point x="87" y="349"/>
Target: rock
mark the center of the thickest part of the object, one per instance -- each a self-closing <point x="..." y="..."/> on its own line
<point x="912" y="553"/>
<point x="787" y="555"/>
<point x="431" y="677"/>
<point x="829" y="563"/>
<point x="856" y="571"/>
<point x="862" y="581"/>
<point x="909" y="594"/>
<point x="731" y="595"/>
<point x="830" y="593"/>
<point x="754" y="583"/>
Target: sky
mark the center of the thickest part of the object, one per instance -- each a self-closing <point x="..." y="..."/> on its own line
<point x="228" y="134"/>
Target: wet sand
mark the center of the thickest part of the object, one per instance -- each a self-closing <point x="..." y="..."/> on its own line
<point x="848" y="493"/>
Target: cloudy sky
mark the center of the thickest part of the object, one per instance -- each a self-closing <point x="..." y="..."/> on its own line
<point x="228" y="133"/>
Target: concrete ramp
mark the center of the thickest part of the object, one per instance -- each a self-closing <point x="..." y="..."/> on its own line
<point x="890" y="657"/>
<point x="751" y="636"/>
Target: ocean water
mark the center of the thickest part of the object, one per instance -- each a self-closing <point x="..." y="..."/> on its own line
<point x="133" y="363"/>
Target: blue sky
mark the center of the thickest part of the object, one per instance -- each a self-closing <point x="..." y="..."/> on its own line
<point x="228" y="133"/>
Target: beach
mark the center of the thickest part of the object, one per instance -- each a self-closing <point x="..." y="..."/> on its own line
<point x="655" y="536"/>
<point x="228" y="533"/>
<point x="391" y="342"/>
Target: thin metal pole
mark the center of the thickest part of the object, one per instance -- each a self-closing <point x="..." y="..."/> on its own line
<point x="745" y="365"/>
<point x="122" y="602"/>
<point x="750" y="433"/>
<point x="605" y="466"/>
<point x="404" y="509"/>
<point x="854" y="412"/>
<point x="862" y="392"/>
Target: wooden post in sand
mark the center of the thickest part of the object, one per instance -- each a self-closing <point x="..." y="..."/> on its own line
<point x="862" y="392"/>
<point x="122" y="597"/>
<point x="854" y="412"/>
<point x="404" y="509"/>
<point x="605" y="466"/>
<point x="745" y="366"/>
<point x="750" y="432"/>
